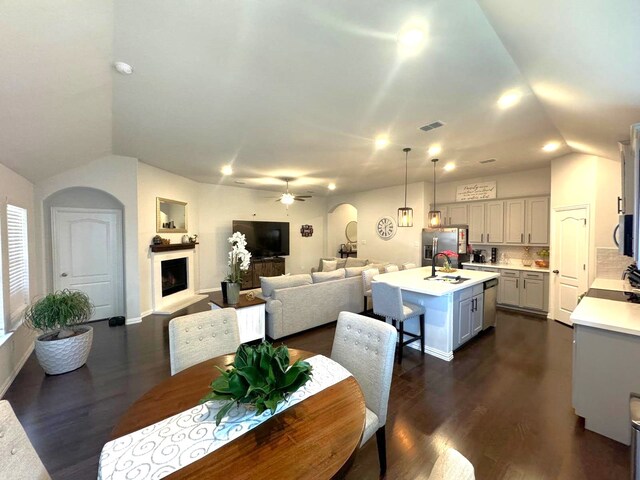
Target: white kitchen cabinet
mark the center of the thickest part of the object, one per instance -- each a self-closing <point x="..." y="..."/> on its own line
<point x="477" y="313"/>
<point x="510" y="288"/>
<point x="458" y="215"/>
<point x="476" y="223"/>
<point x="464" y="320"/>
<point x="532" y="291"/>
<point x="514" y="220"/>
<point x="626" y="204"/>
<point x="537" y="221"/>
<point x="494" y="222"/>
<point x="468" y="314"/>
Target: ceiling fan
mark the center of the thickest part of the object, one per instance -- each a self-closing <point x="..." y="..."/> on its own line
<point x="288" y="198"/>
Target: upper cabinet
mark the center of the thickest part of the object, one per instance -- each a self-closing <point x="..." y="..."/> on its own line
<point x="514" y="221"/>
<point x="458" y="215"/>
<point x="626" y="202"/>
<point x="537" y="221"/>
<point x="476" y="223"/>
<point x="494" y="223"/>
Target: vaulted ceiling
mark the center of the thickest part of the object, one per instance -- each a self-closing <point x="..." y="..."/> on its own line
<point x="302" y="89"/>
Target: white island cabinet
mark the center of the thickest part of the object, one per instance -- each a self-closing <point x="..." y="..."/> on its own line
<point x="454" y="312"/>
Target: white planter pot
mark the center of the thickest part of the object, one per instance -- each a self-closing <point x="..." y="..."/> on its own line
<point x="65" y="355"/>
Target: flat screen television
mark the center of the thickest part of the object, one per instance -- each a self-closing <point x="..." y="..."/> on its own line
<point x="264" y="239"/>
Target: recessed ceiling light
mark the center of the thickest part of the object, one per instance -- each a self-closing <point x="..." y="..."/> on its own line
<point x="434" y="150"/>
<point x="226" y="170"/>
<point x="123" y="68"/>
<point x="551" y="147"/>
<point x="509" y="99"/>
<point x="450" y="166"/>
<point x="412" y="38"/>
<point x="382" y="141"/>
<point x="332" y="186"/>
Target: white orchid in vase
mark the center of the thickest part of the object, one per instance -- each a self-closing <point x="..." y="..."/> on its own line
<point x="239" y="258"/>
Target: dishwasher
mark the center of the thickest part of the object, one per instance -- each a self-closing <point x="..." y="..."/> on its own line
<point x="490" y="295"/>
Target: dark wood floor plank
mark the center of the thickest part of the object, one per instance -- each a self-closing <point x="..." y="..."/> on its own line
<point x="504" y="402"/>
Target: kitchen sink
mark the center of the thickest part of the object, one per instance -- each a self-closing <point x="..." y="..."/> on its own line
<point x="454" y="279"/>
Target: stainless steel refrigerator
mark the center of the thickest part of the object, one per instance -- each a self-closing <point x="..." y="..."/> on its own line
<point x="436" y="240"/>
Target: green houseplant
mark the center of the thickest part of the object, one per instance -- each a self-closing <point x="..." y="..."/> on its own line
<point x="259" y="376"/>
<point x="64" y="344"/>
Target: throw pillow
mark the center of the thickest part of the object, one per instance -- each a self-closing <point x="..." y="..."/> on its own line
<point x="379" y="266"/>
<point x="340" y="262"/>
<point x="328" y="265"/>
<point x="355" y="262"/>
<point x="354" y="271"/>
<point x="269" y="284"/>
<point x="319" y="277"/>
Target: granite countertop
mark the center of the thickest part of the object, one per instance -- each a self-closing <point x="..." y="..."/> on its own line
<point x="413" y="280"/>
<point x="507" y="266"/>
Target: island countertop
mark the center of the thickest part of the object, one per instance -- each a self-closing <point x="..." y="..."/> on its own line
<point x="413" y="280"/>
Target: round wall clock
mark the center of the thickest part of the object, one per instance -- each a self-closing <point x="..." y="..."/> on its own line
<point x="386" y="228"/>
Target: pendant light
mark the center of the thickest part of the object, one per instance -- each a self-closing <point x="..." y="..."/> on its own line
<point x="435" y="216"/>
<point x="405" y="214"/>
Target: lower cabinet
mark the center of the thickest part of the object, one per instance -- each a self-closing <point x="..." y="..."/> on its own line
<point x="268" y="267"/>
<point x="524" y="289"/>
<point x="468" y="311"/>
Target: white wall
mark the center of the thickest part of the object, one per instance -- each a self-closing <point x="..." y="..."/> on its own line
<point x="337" y="221"/>
<point x="405" y="245"/>
<point x="16" y="346"/>
<point x="220" y="205"/>
<point x="154" y="182"/>
<point x="117" y="176"/>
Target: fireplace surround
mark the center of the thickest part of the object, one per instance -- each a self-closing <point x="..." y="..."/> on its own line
<point x="173" y="280"/>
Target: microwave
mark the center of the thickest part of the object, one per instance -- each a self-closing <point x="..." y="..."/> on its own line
<point x="624" y="238"/>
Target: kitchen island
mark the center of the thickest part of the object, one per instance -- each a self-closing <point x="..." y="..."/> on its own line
<point x="454" y="311"/>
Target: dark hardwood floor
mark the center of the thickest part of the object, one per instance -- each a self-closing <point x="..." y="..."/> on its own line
<point x="504" y="402"/>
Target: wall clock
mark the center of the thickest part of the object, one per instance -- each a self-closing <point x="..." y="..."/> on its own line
<point x="386" y="228"/>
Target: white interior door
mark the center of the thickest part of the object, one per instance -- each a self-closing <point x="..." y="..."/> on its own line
<point x="571" y="260"/>
<point x="87" y="256"/>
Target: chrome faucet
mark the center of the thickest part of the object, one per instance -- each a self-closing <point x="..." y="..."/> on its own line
<point x="433" y="263"/>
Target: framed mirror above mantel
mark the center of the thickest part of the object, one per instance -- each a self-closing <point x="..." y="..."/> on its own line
<point x="171" y="216"/>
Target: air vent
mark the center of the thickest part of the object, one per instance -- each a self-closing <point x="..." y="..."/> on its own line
<point x="488" y="160"/>
<point x="433" y="126"/>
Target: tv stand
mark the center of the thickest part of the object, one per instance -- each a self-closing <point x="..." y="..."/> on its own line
<point x="262" y="267"/>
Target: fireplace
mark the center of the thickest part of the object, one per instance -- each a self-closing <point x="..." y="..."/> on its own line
<point x="174" y="276"/>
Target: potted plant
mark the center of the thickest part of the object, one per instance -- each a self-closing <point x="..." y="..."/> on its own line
<point x="64" y="344"/>
<point x="544" y="258"/>
<point x="260" y="376"/>
<point x="239" y="260"/>
<point x="447" y="267"/>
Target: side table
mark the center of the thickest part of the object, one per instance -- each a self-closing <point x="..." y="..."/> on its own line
<point x="251" y="314"/>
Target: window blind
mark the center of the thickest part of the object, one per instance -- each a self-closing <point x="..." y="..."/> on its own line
<point x="18" y="247"/>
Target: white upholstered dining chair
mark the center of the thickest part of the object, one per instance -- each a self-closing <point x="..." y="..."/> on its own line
<point x="452" y="465"/>
<point x="18" y="459"/>
<point x="367" y="277"/>
<point x="201" y="336"/>
<point x="391" y="268"/>
<point x="365" y="347"/>
<point x="407" y="266"/>
<point x="387" y="302"/>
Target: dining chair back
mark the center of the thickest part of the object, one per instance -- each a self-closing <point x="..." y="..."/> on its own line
<point x="388" y="303"/>
<point x="201" y="336"/>
<point x="367" y="277"/>
<point x="366" y="347"/>
<point x="391" y="268"/>
<point x="408" y="265"/>
<point x="452" y="465"/>
<point x="18" y="458"/>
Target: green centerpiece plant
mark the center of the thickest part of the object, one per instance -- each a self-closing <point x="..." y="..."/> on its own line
<point x="259" y="376"/>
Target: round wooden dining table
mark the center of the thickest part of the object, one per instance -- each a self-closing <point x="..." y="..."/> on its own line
<point x="316" y="438"/>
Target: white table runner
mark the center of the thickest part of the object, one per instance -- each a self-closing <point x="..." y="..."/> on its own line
<point x="171" y="444"/>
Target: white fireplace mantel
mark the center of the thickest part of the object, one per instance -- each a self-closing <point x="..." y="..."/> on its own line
<point x="171" y="303"/>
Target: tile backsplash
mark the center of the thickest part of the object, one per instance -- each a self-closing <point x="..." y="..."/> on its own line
<point x="610" y="264"/>
<point x="514" y="253"/>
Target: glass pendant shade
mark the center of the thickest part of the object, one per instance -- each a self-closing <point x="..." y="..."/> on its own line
<point x="434" y="218"/>
<point x="405" y="217"/>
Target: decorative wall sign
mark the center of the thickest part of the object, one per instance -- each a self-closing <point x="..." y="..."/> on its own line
<point x="386" y="228"/>
<point x="306" y="230"/>
<point x="476" y="191"/>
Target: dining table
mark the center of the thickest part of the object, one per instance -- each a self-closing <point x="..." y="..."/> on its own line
<point x="317" y="438"/>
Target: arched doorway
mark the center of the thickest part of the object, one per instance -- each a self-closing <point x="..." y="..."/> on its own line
<point x="84" y="247"/>
<point x="337" y="220"/>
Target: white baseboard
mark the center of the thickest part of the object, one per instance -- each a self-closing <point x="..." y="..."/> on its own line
<point x="16" y="370"/>
<point x="133" y="320"/>
<point x="208" y="290"/>
<point x="434" y="352"/>
<point x="146" y="313"/>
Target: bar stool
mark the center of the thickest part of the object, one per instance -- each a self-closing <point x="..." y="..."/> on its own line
<point x="387" y="302"/>
<point x="367" y="276"/>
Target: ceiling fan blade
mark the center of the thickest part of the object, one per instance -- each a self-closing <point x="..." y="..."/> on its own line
<point x="299" y="199"/>
<point x="303" y="196"/>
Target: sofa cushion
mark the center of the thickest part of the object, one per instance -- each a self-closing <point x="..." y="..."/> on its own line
<point x="355" y="262"/>
<point x="354" y="271"/>
<point x="340" y="262"/>
<point x="319" y="277"/>
<point x="269" y="284"/>
<point x="328" y="265"/>
<point x="380" y="266"/>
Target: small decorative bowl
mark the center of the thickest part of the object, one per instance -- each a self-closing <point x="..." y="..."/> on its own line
<point x="542" y="263"/>
<point x="166" y="241"/>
